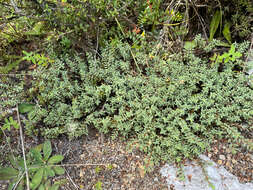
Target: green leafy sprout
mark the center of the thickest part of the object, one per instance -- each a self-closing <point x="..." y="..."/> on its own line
<point x="42" y="166"/>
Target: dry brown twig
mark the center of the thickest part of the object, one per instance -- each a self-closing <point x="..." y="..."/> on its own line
<point x="12" y="74"/>
<point x="23" y="150"/>
<point x="21" y="177"/>
<point x="200" y="18"/>
<point x="71" y="180"/>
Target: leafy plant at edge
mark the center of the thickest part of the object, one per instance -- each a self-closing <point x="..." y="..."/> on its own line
<point x="226" y="57"/>
<point x="36" y="58"/>
<point x="215" y="22"/>
<point x="41" y="165"/>
<point x="10" y="122"/>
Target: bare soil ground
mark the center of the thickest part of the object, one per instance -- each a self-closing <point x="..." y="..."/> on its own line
<point x="239" y="163"/>
<point x="97" y="162"/>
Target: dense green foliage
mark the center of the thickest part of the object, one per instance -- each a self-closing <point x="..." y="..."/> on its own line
<point x="104" y="70"/>
<point x="65" y="23"/>
<point x="173" y="107"/>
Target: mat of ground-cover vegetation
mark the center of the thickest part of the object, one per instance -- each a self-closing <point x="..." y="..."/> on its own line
<point x="98" y="161"/>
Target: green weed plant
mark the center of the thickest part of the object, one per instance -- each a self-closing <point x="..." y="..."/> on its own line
<point x="41" y="165"/>
<point x="171" y="108"/>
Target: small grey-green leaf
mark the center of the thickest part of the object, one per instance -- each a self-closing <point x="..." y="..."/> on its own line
<point x="37" y="155"/>
<point x="47" y="150"/>
<point x="189" y="45"/>
<point x="39" y="147"/>
<point x="36" y="180"/>
<point x="41" y="187"/>
<point x="54" y="187"/>
<point x="49" y="172"/>
<point x="59" y="170"/>
<point x="24" y="108"/>
<point x="55" y="159"/>
<point x="21" y="163"/>
<point x="35" y="167"/>
<point x="61" y="182"/>
<point x="8" y="173"/>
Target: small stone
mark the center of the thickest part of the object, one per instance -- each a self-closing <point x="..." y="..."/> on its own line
<point x="228" y="150"/>
<point x="82" y="156"/>
<point x="81" y="174"/>
<point x="222" y="157"/>
<point x="115" y="165"/>
<point x="219" y="162"/>
<point x="215" y="150"/>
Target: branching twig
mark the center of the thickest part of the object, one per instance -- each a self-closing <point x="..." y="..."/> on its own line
<point x="97" y="43"/>
<point x="250" y="49"/>
<point x="71" y="180"/>
<point x="69" y="165"/>
<point x="18" y="181"/>
<point x="15" y="7"/>
<point x="64" y="165"/>
<point x="130" y="47"/>
<point x="23" y="150"/>
<point x="8" y="142"/>
<point x="10" y="74"/>
<point x="200" y="18"/>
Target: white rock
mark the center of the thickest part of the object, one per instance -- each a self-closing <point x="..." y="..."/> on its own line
<point x="219" y="177"/>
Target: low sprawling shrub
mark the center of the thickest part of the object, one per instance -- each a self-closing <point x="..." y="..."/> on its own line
<point x="172" y="107"/>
